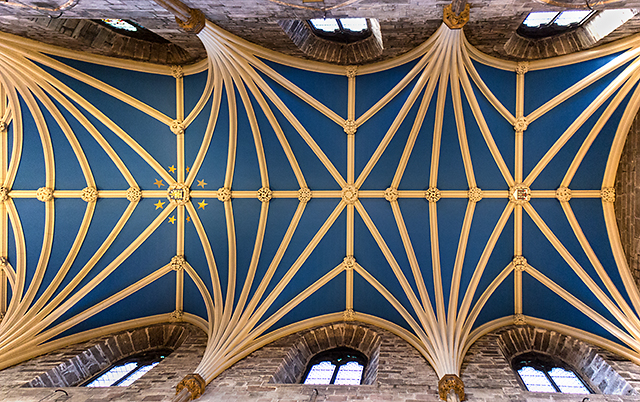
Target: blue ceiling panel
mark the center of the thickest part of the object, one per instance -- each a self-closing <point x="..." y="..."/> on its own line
<point x="31" y="175"/>
<point x="327" y="134"/>
<point x="315" y="173"/>
<point x="371" y="133"/>
<point x="370" y="88"/>
<point x="543" y="85"/>
<point x="502" y="83"/>
<point x="485" y="218"/>
<point x="369" y="255"/>
<point x="329" y="89"/>
<point x="451" y="173"/>
<point x="156" y="90"/>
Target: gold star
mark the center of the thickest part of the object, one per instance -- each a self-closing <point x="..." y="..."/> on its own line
<point x="188" y="219"/>
<point x="172" y="220"/>
<point x="159" y="183"/>
<point x="202" y="204"/>
<point x="201" y="183"/>
<point x="172" y="169"/>
<point x="159" y="204"/>
<point x="188" y="168"/>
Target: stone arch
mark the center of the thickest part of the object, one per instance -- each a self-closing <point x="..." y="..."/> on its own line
<point x="364" y="339"/>
<point x="110" y="350"/>
<point x="583" y="357"/>
<point x="582" y="37"/>
<point x="322" y="49"/>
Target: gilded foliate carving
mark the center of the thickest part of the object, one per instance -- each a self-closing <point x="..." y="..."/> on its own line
<point x="475" y="194"/>
<point x="522" y="67"/>
<point x="44" y="194"/>
<point x="89" y="194"/>
<point x="350" y="127"/>
<point x="4" y="194"/>
<point x="352" y="71"/>
<point x="391" y="194"/>
<point x="520" y="124"/>
<point x="194" y="383"/>
<point x="448" y="383"/>
<point x="224" y="194"/>
<point x="350" y="194"/>
<point x="349" y="262"/>
<point x="177" y="263"/>
<point x="519" y="194"/>
<point x="608" y="194"/>
<point x="178" y="193"/>
<point x="519" y="319"/>
<point x="304" y="194"/>
<point x="519" y="263"/>
<point x="264" y="194"/>
<point x="195" y="23"/>
<point x="349" y="315"/>
<point x="432" y="194"/>
<point x="177" y="71"/>
<point x="177" y="315"/>
<point x="134" y="194"/>
<point x="454" y="21"/>
<point x="563" y="194"/>
<point x="177" y="127"/>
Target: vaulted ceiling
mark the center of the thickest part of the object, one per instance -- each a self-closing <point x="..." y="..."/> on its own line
<point x="439" y="194"/>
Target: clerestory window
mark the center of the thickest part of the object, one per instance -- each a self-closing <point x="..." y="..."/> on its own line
<point x="548" y="23"/>
<point x="339" y="366"/>
<point x="542" y="373"/>
<point x="344" y="30"/>
<point x="125" y="372"/>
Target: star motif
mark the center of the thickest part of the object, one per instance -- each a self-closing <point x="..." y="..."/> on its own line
<point x="159" y="204"/>
<point x="159" y="183"/>
<point x="202" y="204"/>
<point x="172" y="220"/>
<point x="188" y="168"/>
<point x="172" y="169"/>
<point x="201" y="183"/>
<point x="188" y="219"/>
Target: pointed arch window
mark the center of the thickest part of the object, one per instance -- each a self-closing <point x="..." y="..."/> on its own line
<point x="542" y="373"/>
<point x="127" y="371"/>
<point x="339" y="366"/>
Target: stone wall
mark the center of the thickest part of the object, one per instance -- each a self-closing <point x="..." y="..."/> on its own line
<point x="402" y="373"/>
<point x="157" y="385"/>
<point x="626" y="204"/>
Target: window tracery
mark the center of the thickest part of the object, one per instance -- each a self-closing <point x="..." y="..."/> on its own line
<point x="339" y="366"/>
<point x="543" y="373"/>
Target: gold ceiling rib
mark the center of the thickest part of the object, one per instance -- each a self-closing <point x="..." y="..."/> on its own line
<point x="442" y="333"/>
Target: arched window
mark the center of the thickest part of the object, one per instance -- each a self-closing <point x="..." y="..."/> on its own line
<point x="548" y="23"/>
<point x="542" y="373"/>
<point x="340" y="366"/>
<point x="124" y="372"/>
<point x="345" y="30"/>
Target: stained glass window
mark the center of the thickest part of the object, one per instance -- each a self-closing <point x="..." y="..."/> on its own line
<point x="340" y="366"/>
<point x="320" y="373"/>
<point x="125" y="372"/>
<point x="542" y="373"/>
<point x="349" y="374"/>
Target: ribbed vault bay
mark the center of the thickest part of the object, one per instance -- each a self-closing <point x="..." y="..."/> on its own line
<point x="440" y="196"/>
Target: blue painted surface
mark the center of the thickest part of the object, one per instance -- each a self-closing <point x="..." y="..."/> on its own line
<point x="159" y="141"/>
